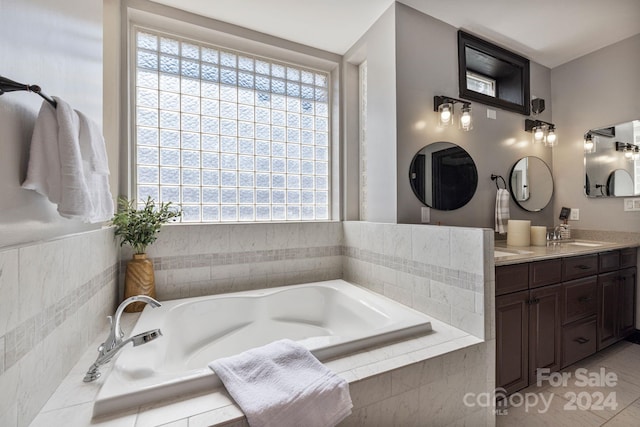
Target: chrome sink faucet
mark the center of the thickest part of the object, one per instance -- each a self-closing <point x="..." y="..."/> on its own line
<point x="115" y="342"/>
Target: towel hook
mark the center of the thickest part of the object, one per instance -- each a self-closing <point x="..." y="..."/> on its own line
<point x="495" y="178"/>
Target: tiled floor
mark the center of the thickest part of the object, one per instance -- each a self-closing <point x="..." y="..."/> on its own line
<point x="577" y="401"/>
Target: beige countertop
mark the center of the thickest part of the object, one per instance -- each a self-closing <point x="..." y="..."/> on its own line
<point x="505" y="255"/>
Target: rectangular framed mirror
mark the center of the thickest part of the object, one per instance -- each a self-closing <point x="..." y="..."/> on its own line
<point x="492" y="75"/>
<point x="612" y="160"/>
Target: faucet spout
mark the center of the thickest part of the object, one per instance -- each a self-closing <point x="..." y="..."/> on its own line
<point x="137" y="298"/>
<point x="115" y="342"/>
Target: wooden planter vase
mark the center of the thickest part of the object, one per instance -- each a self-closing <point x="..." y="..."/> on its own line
<point x="139" y="280"/>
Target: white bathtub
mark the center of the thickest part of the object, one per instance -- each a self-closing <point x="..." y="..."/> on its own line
<point x="330" y="318"/>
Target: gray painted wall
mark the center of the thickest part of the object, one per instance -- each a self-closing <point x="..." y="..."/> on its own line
<point x="596" y="90"/>
<point x="379" y="47"/>
<point x="57" y="45"/>
<point x="427" y="65"/>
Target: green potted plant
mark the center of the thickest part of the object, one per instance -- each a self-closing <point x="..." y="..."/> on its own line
<point x="139" y="227"/>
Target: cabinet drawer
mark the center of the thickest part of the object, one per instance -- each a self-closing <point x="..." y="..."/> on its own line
<point x="543" y="273"/>
<point x="608" y="261"/>
<point x="578" y="341"/>
<point x="628" y="257"/>
<point x="512" y="278"/>
<point x="580" y="299"/>
<point x="579" y="266"/>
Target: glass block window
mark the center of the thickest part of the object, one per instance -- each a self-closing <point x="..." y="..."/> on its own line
<point x="229" y="136"/>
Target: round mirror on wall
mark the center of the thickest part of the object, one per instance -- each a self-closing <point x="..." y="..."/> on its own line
<point x="531" y="183"/>
<point x="443" y="176"/>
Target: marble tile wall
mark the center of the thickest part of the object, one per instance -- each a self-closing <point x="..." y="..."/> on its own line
<point x="431" y="391"/>
<point x="440" y="271"/>
<point x="194" y="260"/>
<point x="54" y="299"/>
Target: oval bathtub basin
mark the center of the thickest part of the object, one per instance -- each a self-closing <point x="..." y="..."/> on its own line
<point x="330" y="318"/>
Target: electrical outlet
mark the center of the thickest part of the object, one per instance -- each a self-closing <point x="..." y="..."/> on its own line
<point x="491" y="114"/>
<point x="632" y="205"/>
<point x="426" y="214"/>
<point x="574" y="215"/>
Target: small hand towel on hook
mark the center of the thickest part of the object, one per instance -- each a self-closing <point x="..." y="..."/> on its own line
<point x="502" y="210"/>
<point x="502" y="205"/>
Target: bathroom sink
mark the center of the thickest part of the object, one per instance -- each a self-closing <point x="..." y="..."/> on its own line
<point x="498" y="253"/>
<point x="587" y="244"/>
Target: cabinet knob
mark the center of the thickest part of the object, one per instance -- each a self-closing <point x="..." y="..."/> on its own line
<point x="581" y="340"/>
<point x="582" y="267"/>
<point x="585" y="299"/>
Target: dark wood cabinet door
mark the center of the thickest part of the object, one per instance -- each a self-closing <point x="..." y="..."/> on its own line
<point x="608" y="261"/>
<point x="543" y="273"/>
<point x="628" y="257"/>
<point x="512" y="278"/>
<point x="627" y="295"/>
<point x="578" y="340"/>
<point x="579" y="266"/>
<point x="580" y="299"/>
<point x="607" y="309"/>
<point x="512" y="343"/>
<point x="545" y="313"/>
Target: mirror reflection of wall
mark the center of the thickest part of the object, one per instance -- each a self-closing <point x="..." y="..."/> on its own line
<point x="620" y="183"/>
<point x="610" y="172"/>
<point x="443" y="176"/>
<point x="531" y="183"/>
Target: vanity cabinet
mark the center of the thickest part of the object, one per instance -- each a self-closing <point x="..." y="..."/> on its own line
<point x="544" y="329"/>
<point x="512" y="349"/>
<point x="553" y="313"/>
<point x="527" y="322"/>
<point x="616" y="306"/>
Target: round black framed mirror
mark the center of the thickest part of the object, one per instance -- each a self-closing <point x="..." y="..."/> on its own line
<point x="531" y="183"/>
<point x="443" y="176"/>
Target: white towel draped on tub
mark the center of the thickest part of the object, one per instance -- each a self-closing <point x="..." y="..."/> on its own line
<point x="68" y="163"/>
<point x="282" y="384"/>
<point x="502" y="210"/>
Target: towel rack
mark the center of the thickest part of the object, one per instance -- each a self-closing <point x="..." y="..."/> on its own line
<point x="7" y="85"/>
<point x="495" y="178"/>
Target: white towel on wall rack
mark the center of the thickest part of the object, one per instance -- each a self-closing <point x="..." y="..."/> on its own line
<point x="68" y="164"/>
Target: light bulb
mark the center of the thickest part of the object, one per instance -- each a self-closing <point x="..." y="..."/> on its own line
<point x="538" y="134"/>
<point x="551" y="138"/>
<point x="588" y="145"/>
<point x="465" y="118"/>
<point x="446" y="114"/>
<point x="628" y="153"/>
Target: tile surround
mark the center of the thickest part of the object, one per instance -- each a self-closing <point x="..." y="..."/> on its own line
<point x="195" y="260"/>
<point x="440" y="271"/>
<point x="52" y="305"/>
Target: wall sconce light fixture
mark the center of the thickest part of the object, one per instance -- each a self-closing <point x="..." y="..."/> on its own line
<point x="444" y="106"/>
<point x="590" y="141"/>
<point x="542" y="132"/>
<point x="630" y="151"/>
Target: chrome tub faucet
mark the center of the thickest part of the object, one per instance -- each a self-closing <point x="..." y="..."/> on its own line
<point x="115" y="341"/>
